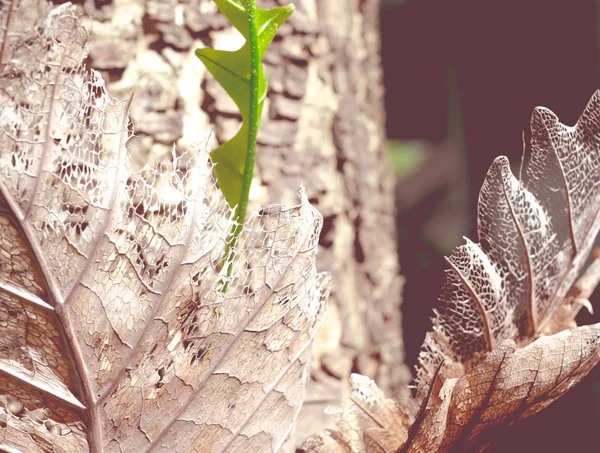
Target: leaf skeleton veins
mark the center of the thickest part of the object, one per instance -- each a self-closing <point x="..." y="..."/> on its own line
<point x="116" y="336"/>
<point x="504" y="343"/>
<point x="114" y="333"/>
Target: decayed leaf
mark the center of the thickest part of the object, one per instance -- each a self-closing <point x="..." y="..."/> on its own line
<point x="535" y="237"/>
<point x="115" y="334"/>
<point x="371" y="422"/>
<point x="494" y="356"/>
<point x="509" y="385"/>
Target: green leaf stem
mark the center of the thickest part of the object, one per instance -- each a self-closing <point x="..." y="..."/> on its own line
<point x="242" y="75"/>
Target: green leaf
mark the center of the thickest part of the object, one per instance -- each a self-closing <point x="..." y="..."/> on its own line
<point x="242" y="75"/>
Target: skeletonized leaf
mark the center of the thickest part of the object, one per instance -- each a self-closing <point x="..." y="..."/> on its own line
<point x="370" y="422"/>
<point x="509" y="385"/>
<point x="535" y="237"/>
<point x="494" y="356"/>
<point x="115" y="334"/>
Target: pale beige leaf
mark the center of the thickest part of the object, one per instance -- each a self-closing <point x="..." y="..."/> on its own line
<point x="115" y="332"/>
<point x="370" y="423"/>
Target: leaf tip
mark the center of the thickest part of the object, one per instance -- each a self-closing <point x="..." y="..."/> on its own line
<point x="288" y="10"/>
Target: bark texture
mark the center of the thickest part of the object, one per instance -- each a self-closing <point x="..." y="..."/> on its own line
<point x="323" y="126"/>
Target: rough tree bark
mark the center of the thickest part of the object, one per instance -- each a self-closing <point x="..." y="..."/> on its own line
<point x="322" y="126"/>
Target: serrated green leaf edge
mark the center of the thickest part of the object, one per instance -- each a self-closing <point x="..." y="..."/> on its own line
<point x="242" y="75"/>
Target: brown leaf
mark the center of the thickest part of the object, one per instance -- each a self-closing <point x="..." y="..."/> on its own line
<point x="115" y="334"/>
<point x="494" y="355"/>
<point x="509" y="385"/>
<point x="535" y="236"/>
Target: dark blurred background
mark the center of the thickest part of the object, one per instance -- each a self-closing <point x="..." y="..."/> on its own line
<point x="462" y="78"/>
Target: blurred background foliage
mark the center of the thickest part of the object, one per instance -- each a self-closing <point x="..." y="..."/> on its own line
<point x="462" y="79"/>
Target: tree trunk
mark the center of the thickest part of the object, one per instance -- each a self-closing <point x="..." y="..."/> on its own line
<point x="323" y="126"/>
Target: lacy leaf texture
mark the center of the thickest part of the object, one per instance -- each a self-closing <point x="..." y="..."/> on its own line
<point x="499" y="351"/>
<point x="115" y="332"/>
